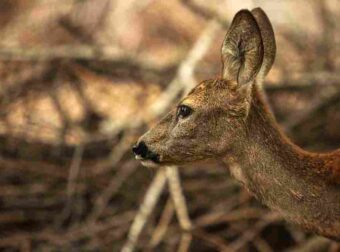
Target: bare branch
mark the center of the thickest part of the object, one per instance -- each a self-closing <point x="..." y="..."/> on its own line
<point x="251" y="233"/>
<point x="178" y="197"/>
<point x="205" y="12"/>
<point x="147" y="206"/>
<point x="61" y="52"/>
<point x="185" y="242"/>
<point x="105" y="196"/>
<point x="163" y="224"/>
<point x="184" y="79"/>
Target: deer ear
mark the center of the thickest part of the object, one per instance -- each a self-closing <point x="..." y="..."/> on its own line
<point x="242" y="49"/>
<point x="268" y="39"/>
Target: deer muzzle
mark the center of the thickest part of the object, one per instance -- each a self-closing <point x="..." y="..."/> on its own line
<point x="143" y="153"/>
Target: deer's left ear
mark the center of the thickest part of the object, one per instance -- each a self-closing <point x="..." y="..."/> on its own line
<point x="242" y="49"/>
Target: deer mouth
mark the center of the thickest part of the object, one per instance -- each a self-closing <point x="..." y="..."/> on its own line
<point x="148" y="162"/>
<point x="152" y="157"/>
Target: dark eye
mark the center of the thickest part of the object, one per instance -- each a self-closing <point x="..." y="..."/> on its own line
<point x="183" y="111"/>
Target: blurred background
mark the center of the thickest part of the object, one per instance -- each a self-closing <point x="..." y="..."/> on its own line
<point x="81" y="80"/>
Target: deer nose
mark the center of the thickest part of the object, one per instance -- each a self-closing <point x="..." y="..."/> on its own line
<point x="140" y="149"/>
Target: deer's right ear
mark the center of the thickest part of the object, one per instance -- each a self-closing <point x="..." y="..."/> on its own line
<point x="242" y="49"/>
<point x="268" y="39"/>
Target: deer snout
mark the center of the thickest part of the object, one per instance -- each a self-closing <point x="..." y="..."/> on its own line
<point x="141" y="150"/>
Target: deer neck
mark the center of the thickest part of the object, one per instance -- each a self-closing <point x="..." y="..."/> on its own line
<point x="285" y="177"/>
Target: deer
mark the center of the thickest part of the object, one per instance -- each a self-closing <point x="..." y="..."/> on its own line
<point x="229" y="119"/>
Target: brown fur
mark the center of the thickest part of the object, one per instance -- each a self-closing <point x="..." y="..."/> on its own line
<point x="303" y="186"/>
<point x="231" y="121"/>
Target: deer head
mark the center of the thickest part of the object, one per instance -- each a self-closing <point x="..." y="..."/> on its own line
<point x="210" y="120"/>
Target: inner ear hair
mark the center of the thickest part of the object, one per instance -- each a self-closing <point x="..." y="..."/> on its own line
<point x="268" y="39"/>
<point x="242" y="49"/>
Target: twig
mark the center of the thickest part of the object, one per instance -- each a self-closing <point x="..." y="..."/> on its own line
<point x="185" y="242"/>
<point x="328" y="28"/>
<point x="205" y="12"/>
<point x="73" y="234"/>
<point x="226" y="216"/>
<point x="119" y="150"/>
<point x="105" y="196"/>
<point x="80" y="52"/>
<point x="147" y="206"/>
<point x="305" y="81"/>
<point x="316" y="243"/>
<point x="184" y="78"/>
<point x="163" y="224"/>
<point x="178" y="197"/>
<point x="72" y="183"/>
<point x="262" y="245"/>
<point x="84" y="54"/>
<point x="216" y="241"/>
<point x="333" y="93"/>
<point x="251" y="233"/>
<point x="74" y="170"/>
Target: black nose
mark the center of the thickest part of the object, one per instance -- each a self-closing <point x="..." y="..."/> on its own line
<point x="140" y="149"/>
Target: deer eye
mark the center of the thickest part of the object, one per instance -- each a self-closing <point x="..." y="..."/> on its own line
<point x="183" y="111"/>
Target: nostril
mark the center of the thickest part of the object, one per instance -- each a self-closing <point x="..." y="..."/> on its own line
<point x="140" y="149"/>
<point x="143" y="149"/>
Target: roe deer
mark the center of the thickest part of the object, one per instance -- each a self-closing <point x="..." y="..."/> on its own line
<point x="229" y="119"/>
